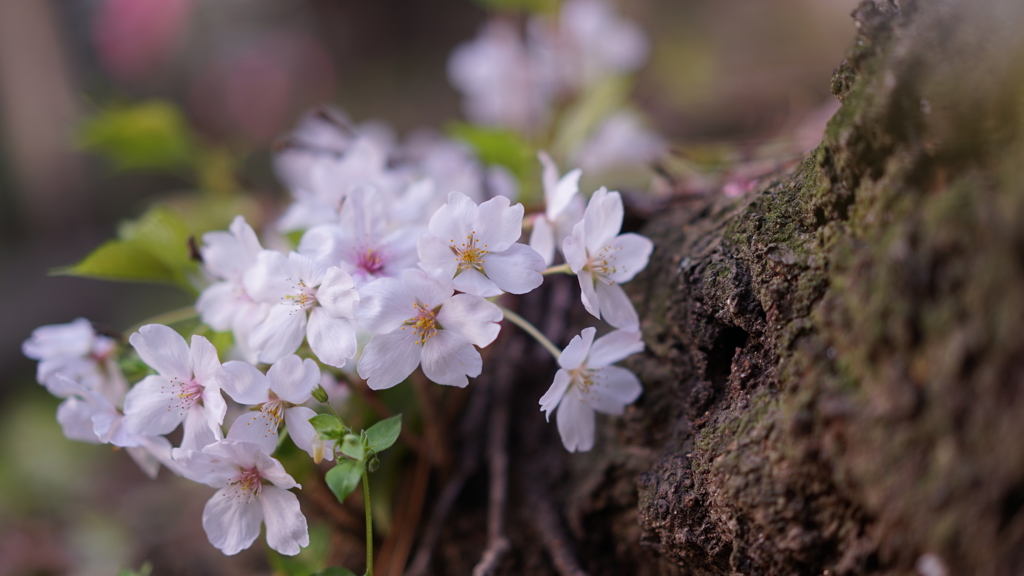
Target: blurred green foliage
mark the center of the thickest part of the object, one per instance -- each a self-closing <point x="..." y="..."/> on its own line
<point x="498" y="146"/>
<point x="153" y="135"/>
<point x="546" y="6"/>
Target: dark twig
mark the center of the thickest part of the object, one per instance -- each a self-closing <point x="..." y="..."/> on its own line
<point x="382" y="411"/>
<point x="406" y="519"/>
<point x="497" y="452"/>
<point x="433" y="425"/>
<point x="469" y="460"/>
<point x="549" y="527"/>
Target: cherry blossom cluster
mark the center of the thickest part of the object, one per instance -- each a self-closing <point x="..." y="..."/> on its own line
<point x="417" y="288"/>
<point x="392" y="256"/>
<point x="514" y="80"/>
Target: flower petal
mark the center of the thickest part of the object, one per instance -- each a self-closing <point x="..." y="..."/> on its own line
<point x="75" y="418"/>
<point x="589" y="294"/>
<point x="575" y="423"/>
<point x="574" y="249"/>
<point x="472" y="317"/>
<point x="293" y="379"/>
<point x="258" y="427"/>
<point x="616" y="308"/>
<point x="603" y="219"/>
<point x="576" y="352"/>
<point x="498" y="225"/>
<point x="542" y="239"/>
<point x="152" y="407"/>
<point x="389" y="358"/>
<point x="454" y="221"/>
<point x="337" y="293"/>
<point x="231" y="523"/>
<point x="426" y="290"/>
<point x="567" y="187"/>
<point x="280" y="334"/>
<point x="628" y="255"/>
<point x="436" y="258"/>
<point x="197" y="431"/>
<point x="71" y="339"/>
<point x="219" y="304"/>
<point x="244" y="383"/>
<point x="614" y="346"/>
<point x="206" y="367"/>
<point x="448" y="358"/>
<point x="384" y="305"/>
<point x="473" y="282"/>
<point x="164" y="350"/>
<point x="271" y="277"/>
<point x="612" y="389"/>
<point x="516" y="270"/>
<point x="286" y="526"/>
<point x="299" y="428"/>
<point x="332" y="339"/>
<point x="549" y="401"/>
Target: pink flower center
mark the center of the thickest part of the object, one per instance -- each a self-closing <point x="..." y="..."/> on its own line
<point x="302" y="297"/>
<point x="183" y="394"/>
<point x="604" y="262"/>
<point x="370" y="261"/>
<point x="246" y="486"/>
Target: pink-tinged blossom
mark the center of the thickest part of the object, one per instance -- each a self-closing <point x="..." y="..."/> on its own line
<point x="417" y="320"/>
<point x="331" y="180"/>
<point x="587" y="383"/>
<point x="185" y="389"/>
<point x="621" y="142"/>
<point x="475" y="248"/>
<point x="595" y="42"/>
<point x="225" y="305"/>
<point x="306" y="300"/>
<point x="253" y="489"/>
<point x="276" y="399"/>
<point x="73" y="350"/>
<point x="602" y="259"/>
<point x="363" y="243"/>
<point x="499" y="78"/>
<point x="563" y="209"/>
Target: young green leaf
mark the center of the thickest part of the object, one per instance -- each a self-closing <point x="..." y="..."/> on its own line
<point x="383" y="434"/>
<point x="352" y="446"/>
<point x="343" y="478"/>
<point x="118" y="260"/>
<point x="153" y="135"/>
<point x="327" y="426"/>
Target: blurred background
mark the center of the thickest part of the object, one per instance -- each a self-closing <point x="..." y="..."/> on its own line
<point x="230" y="77"/>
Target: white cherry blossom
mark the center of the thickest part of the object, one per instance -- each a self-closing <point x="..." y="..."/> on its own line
<point x="563" y="209"/>
<point x="306" y="300"/>
<point x="225" y="305"/>
<point x="417" y="321"/>
<point x="602" y="259"/>
<point x="587" y="383"/>
<point x="275" y="398"/>
<point x="73" y="350"/>
<point x="475" y="248"/>
<point x="185" y="389"/>
<point x="364" y="243"/>
<point x="252" y="490"/>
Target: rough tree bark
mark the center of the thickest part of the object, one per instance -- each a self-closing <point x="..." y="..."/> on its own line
<point x="835" y="364"/>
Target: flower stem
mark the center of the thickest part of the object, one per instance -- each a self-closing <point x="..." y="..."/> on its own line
<point x="369" y="524"/>
<point x="560" y="269"/>
<point x="531" y="330"/>
<point x="172" y="317"/>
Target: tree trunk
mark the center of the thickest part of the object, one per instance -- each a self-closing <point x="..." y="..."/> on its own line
<point x="835" y="364"/>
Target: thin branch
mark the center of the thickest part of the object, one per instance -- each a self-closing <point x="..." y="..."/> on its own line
<point x="531" y="330"/>
<point x="394" y="552"/>
<point x="497" y="451"/>
<point x="433" y="426"/>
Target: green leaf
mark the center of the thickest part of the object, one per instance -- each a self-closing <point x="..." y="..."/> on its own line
<point x="498" y="146"/>
<point x="546" y="6"/>
<point x="118" y="260"/>
<point x="352" y="446"/>
<point x="162" y="233"/>
<point x="383" y="434"/>
<point x="335" y="571"/>
<point x="150" y="135"/>
<point x="343" y="478"/>
<point x="327" y="426"/>
<point x="153" y="248"/>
